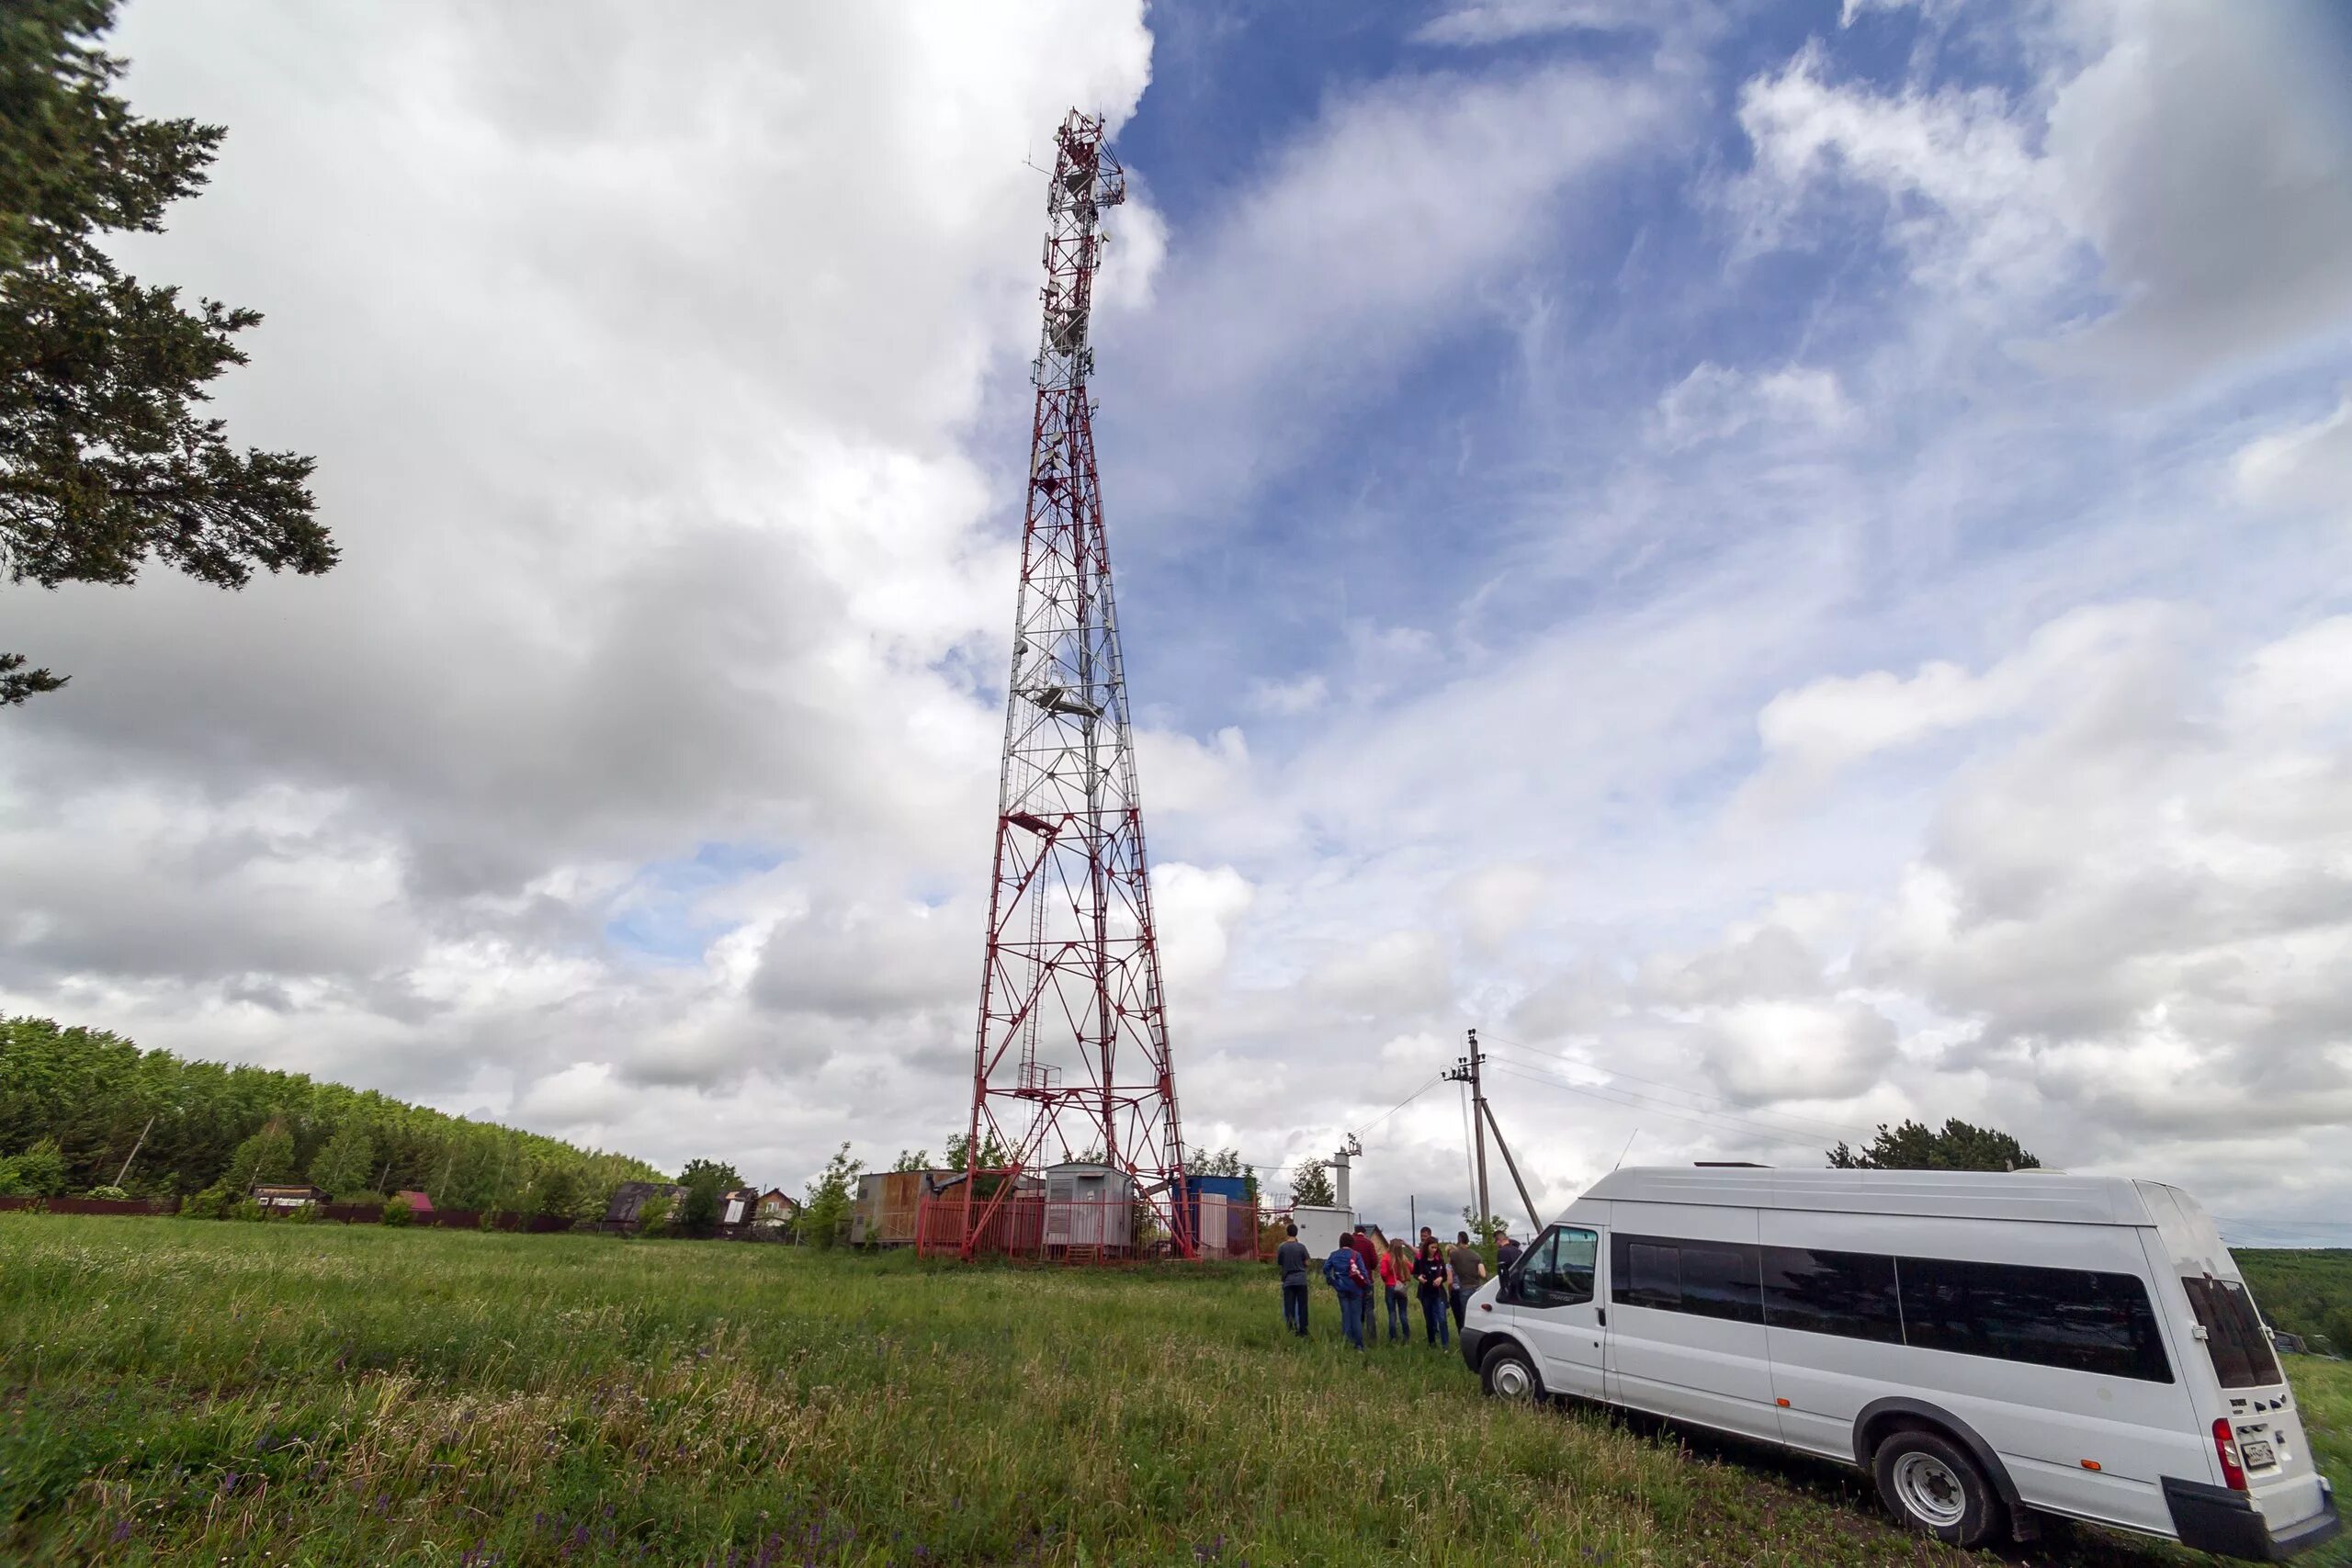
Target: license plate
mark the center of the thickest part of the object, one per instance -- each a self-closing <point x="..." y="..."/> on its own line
<point x="2256" y="1454"/>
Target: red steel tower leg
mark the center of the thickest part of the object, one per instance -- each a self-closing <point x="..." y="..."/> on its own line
<point x="1071" y="1056"/>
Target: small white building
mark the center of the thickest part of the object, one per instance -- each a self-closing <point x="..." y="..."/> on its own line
<point x="1321" y="1227"/>
<point x="1215" y="1229"/>
<point x="1090" y="1205"/>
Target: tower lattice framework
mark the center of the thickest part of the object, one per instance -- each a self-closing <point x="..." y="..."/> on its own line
<point x="1072" y="1057"/>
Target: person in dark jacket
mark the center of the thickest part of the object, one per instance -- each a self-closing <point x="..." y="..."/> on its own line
<point x="1345" y="1272"/>
<point x="1469" y="1271"/>
<point x="1292" y="1259"/>
<point x="1506" y="1255"/>
<point x="1436" y="1281"/>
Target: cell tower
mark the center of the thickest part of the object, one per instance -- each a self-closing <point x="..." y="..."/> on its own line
<point x="1071" y="1056"/>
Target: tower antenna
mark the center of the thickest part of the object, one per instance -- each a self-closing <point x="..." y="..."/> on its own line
<point x="1070" y="1057"/>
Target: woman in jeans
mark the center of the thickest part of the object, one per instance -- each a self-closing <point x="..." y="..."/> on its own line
<point x="1436" y="1281"/>
<point x="1395" y="1271"/>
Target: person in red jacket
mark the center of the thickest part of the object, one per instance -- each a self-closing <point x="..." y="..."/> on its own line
<point x="1395" y="1278"/>
<point x="1362" y="1242"/>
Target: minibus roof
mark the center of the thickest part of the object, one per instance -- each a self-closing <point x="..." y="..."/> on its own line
<point x="1960" y="1194"/>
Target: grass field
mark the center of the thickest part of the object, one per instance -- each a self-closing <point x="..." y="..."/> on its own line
<point x="183" y="1392"/>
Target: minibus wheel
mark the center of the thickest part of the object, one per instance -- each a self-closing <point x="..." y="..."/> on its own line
<point x="1508" y="1373"/>
<point x="1928" y="1482"/>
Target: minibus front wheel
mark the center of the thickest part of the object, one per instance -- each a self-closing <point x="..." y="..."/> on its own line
<point x="1930" y="1484"/>
<point x="1509" y="1372"/>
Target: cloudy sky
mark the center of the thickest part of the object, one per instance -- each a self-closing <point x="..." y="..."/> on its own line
<point x="1792" y="566"/>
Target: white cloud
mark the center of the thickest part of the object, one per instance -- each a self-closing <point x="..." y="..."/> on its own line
<point x="2208" y="153"/>
<point x="1960" y="188"/>
<point x="2203" y="158"/>
<point x="1712" y="403"/>
<point x="1363" y="241"/>
<point x="1196" y="908"/>
<point x="2304" y="466"/>
<point x="639" y="372"/>
<point x="1810" y="733"/>
<point x="1396" y="975"/>
<point x="1288" y="699"/>
<point x="1475" y="22"/>
<point x="1495" y="903"/>
<point x="2127" y="884"/>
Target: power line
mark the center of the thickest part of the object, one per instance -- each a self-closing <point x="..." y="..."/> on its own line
<point x="1840" y="1128"/>
<point x="1711" y="1120"/>
<point x="1435" y="1079"/>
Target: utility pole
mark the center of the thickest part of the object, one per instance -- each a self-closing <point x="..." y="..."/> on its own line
<point x="1482" y="1122"/>
<point x="1466" y="1070"/>
<point x="134" y="1151"/>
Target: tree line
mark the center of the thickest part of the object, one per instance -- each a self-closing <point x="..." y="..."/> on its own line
<point x="86" y="1111"/>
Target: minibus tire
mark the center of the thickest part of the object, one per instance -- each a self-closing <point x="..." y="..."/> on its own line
<point x="1509" y="1372"/>
<point x="1929" y="1482"/>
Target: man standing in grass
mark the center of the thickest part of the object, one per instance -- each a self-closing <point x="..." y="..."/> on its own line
<point x="1344" y="1269"/>
<point x="1469" y="1272"/>
<point x="1362" y="1242"/>
<point x="1290" y="1257"/>
<point x="1506" y="1255"/>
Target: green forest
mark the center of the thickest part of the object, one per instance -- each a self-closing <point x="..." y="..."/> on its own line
<point x="76" y="1103"/>
<point x="2306" y="1292"/>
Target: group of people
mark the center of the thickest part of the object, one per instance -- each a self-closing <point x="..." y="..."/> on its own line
<point x="1367" y="1262"/>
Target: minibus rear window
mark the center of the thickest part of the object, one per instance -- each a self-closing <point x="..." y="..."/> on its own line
<point x="2233" y="1333"/>
<point x="2075" y="1318"/>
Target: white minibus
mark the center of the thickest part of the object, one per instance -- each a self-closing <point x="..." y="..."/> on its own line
<point x="1989" y="1346"/>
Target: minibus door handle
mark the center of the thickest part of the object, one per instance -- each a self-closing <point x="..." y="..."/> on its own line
<point x="1600" y="1316"/>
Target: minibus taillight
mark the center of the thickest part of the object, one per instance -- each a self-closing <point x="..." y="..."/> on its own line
<point x="2225" y="1448"/>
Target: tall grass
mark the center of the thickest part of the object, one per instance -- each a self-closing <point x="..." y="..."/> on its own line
<point x="176" y="1392"/>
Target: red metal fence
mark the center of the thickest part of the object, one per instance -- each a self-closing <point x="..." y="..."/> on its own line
<point x="1030" y="1226"/>
<point x="94" y="1205"/>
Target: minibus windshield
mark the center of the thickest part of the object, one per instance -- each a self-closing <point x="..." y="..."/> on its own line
<point x="2234" y="1337"/>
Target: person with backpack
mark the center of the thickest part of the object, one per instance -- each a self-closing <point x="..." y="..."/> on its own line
<point x="1396" y="1275"/>
<point x="1436" y="1281"/>
<point x="1343" y="1270"/>
<point x="1291" y="1259"/>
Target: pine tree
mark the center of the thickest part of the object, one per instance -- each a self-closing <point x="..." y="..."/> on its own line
<point x="1914" y="1145"/>
<point x="103" y="460"/>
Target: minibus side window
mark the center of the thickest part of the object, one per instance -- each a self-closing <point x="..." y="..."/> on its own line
<point x="1651" y="1276"/>
<point x="2233" y="1335"/>
<point x="1721" y="1281"/>
<point x="1706" y="1278"/>
<point x="1847" y="1293"/>
<point x="2052" y="1317"/>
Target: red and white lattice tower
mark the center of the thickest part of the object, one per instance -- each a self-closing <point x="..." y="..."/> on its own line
<point x="1072" y="1057"/>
